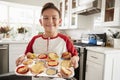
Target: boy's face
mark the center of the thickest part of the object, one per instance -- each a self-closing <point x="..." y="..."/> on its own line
<point x="50" y="20"/>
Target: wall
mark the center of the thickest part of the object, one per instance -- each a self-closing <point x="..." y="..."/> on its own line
<point x="86" y="24"/>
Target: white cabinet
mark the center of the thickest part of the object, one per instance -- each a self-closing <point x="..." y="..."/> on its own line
<point x="110" y="13"/>
<point x="73" y="16"/>
<point x="15" y="50"/>
<point x="102" y="64"/>
<point x="82" y="2"/>
<point x="94" y="65"/>
<point x="69" y="20"/>
<point x="93" y="69"/>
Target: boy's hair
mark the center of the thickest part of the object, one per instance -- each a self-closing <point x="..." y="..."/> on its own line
<point x="50" y="6"/>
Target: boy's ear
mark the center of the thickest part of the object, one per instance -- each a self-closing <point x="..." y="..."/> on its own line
<point x="60" y="21"/>
<point x="40" y="21"/>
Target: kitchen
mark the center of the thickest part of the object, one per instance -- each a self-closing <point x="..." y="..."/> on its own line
<point x="81" y="21"/>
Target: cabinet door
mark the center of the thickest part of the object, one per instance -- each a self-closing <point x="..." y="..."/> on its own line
<point x="110" y="13"/>
<point x="64" y="8"/>
<point x="15" y="50"/>
<point x="69" y="19"/>
<point x="82" y="2"/>
<point x="93" y="71"/>
<point x="73" y="16"/>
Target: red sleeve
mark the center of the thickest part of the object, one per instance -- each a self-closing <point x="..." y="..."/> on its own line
<point x="30" y="45"/>
<point x="71" y="48"/>
<point x="69" y="45"/>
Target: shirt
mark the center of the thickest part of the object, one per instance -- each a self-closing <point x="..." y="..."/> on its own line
<point x="58" y="44"/>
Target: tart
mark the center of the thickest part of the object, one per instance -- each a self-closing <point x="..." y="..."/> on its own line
<point x="51" y="71"/>
<point x="28" y="61"/>
<point x="53" y="56"/>
<point x="37" y="68"/>
<point x="66" y="71"/>
<point x="53" y="63"/>
<point x="66" y="63"/>
<point x="31" y="55"/>
<point x="66" y="55"/>
<point x="42" y="56"/>
<point x="22" y="69"/>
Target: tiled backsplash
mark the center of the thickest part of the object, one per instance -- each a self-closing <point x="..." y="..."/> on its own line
<point x="78" y="33"/>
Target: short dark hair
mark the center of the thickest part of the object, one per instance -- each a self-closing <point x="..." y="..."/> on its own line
<point x="50" y="6"/>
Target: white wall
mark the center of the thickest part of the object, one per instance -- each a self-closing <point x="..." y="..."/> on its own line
<point x="86" y="24"/>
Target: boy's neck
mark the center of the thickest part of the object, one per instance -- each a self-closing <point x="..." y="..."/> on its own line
<point x="47" y="35"/>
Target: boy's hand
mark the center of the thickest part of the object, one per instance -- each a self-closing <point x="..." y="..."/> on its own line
<point x="74" y="61"/>
<point x="20" y="60"/>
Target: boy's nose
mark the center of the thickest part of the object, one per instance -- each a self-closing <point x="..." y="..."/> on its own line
<point x="50" y="20"/>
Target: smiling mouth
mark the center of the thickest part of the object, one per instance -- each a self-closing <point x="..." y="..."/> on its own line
<point x="50" y="25"/>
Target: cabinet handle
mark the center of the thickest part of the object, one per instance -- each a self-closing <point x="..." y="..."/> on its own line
<point x="86" y="68"/>
<point x="94" y="57"/>
<point x="1" y="48"/>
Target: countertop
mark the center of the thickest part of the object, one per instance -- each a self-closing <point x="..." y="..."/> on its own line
<point x="104" y="50"/>
<point x="13" y="41"/>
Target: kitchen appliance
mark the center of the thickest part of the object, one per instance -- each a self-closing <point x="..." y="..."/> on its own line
<point x="80" y="71"/>
<point x="92" y="39"/>
<point x="81" y="48"/>
<point x="4" y="58"/>
<point x="88" y="7"/>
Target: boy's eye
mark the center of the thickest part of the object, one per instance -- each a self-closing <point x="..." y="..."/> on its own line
<point x="54" y="18"/>
<point x="45" y="18"/>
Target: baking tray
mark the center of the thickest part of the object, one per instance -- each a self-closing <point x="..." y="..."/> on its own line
<point x="44" y="73"/>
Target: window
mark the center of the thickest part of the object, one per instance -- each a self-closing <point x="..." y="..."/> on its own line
<point x="18" y="15"/>
<point x="3" y="13"/>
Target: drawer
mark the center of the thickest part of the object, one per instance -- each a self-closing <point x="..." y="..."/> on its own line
<point x="95" y="57"/>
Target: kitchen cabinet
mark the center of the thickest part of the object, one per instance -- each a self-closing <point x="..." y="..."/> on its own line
<point x="73" y="16"/>
<point x="102" y="63"/>
<point x="82" y="2"/>
<point x="69" y="20"/>
<point x="15" y="50"/>
<point x="110" y="13"/>
<point x="4" y="62"/>
<point x="94" y="67"/>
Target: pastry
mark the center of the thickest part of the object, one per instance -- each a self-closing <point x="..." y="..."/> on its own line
<point x="31" y="55"/>
<point x="66" y="55"/>
<point x="51" y="71"/>
<point x="66" y="71"/>
<point x="37" y="68"/>
<point x="66" y="63"/>
<point x="52" y="63"/>
<point x="28" y="61"/>
<point x="22" y="69"/>
<point x="53" y="56"/>
<point x="42" y="56"/>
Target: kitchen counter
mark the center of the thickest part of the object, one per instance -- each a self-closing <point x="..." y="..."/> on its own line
<point x="13" y="41"/>
<point x="11" y="50"/>
<point x="104" y="50"/>
<point x="103" y="63"/>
